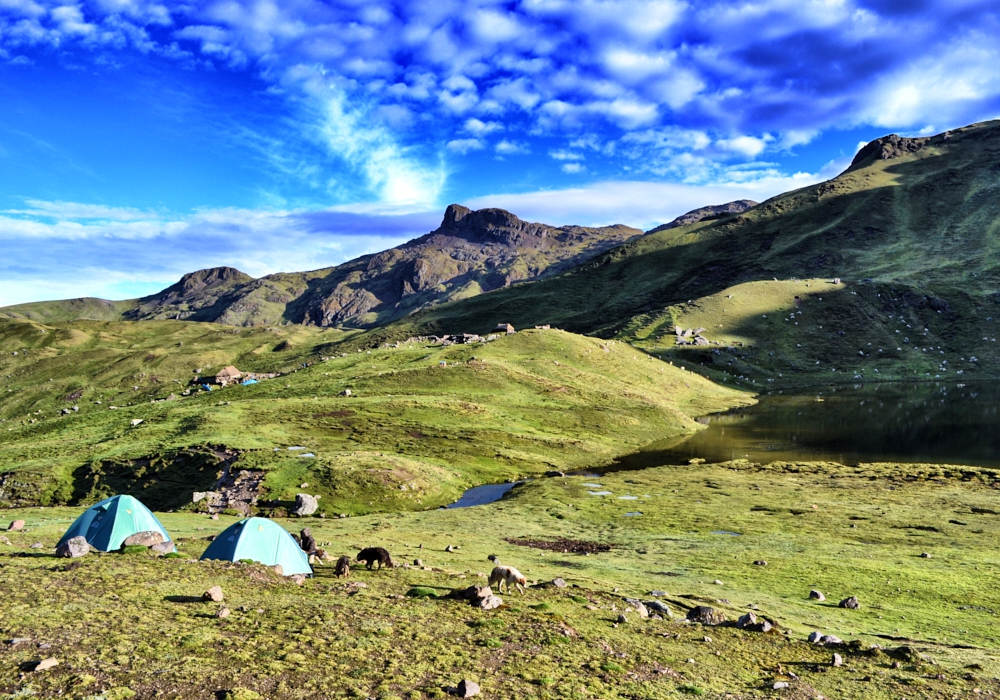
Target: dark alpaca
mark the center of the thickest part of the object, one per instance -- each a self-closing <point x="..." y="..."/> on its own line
<point x="370" y="555"/>
<point x="343" y="568"/>
<point x="307" y="542"/>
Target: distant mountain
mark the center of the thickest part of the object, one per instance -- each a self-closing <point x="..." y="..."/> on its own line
<point x="717" y="211"/>
<point x="470" y="253"/>
<point x="917" y="217"/>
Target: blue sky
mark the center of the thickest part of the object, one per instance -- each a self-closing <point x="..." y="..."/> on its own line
<point x="141" y="140"/>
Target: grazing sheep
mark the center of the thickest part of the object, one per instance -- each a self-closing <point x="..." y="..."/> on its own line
<point x="509" y="575"/>
<point x="343" y="568"/>
<point x="370" y="555"/>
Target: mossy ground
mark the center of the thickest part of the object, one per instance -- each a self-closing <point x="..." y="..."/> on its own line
<point x="423" y="422"/>
<point x="130" y="621"/>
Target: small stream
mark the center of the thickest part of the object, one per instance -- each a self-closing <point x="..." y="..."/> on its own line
<point x="930" y="422"/>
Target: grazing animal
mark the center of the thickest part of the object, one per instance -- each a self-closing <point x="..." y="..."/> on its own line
<point x="307" y="541"/>
<point x="509" y="575"/>
<point x="343" y="568"/>
<point x="371" y="555"/>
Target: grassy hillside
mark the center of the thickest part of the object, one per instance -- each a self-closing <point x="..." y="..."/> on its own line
<point x="910" y="228"/>
<point x="423" y="422"/>
<point x="126" y="625"/>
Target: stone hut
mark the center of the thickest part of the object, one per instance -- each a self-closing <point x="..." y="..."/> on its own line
<point x="504" y="328"/>
<point x="228" y="375"/>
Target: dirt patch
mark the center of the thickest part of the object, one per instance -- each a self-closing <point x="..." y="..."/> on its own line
<point x="562" y="544"/>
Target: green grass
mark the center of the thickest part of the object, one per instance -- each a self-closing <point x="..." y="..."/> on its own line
<point x="413" y="435"/>
<point x="137" y="622"/>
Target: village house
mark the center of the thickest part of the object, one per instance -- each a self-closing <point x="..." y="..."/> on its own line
<point x="228" y="375"/>
<point x="504" y="328"/>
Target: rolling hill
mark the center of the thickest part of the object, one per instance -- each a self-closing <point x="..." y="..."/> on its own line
<point x="470" y="253"/>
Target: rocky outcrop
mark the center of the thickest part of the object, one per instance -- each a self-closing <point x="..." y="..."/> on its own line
<point x="888" y="147"/>
<point x="715" y="211"/>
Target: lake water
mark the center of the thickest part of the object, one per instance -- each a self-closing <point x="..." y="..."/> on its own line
<point x="934" y="422"/>
<point x="939" y="422"/>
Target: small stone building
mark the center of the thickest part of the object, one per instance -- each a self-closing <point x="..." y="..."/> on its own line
<point x="504" y="328"/>
<point x="228" y="375"/>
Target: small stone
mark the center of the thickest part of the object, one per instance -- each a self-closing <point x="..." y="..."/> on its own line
<point x="222" y="613"/>
<point x="622" y="619"/>
<point x="449" y="548"/>
<point x="73" y="547"/>
<point x="897" y="665"/>
<point x="46" y="664"/>
<point x="718" y="582"/>
<point x="659" y="607"/>
<point x="638" y="606"/>
<point x="707" y="640"/>
<point x="925" y="555"/>
<point x="658" y="594"/>
<point x="760" y="562"/>
<point x="838" y="660"/>
<point x="163" y="547"/>
<point x="815" y="637"/>
<point x="467" y="688"/>
<point x="37" y="545"/>
<point x="304" y="486"/>
<point x="213" y="594"/>
<point x="16" y="525"/>
<point x="418" y="562"/>
<point x="297" y="579"/>
<point x="832" y="640"/>
<point x="850" y="603"/>
<point x="136" y="421"/>
<point x="490" y="602"/>
<point x="781" y="685"/>
<point x="746" y="621"/>
<point x="558" y="583"/>
<point x="816" y="595"/>
<point x="213" y="516"/>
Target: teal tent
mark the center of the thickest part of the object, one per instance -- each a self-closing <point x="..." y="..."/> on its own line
<point x="261" y="540"/>
<point x="108" y="523"/>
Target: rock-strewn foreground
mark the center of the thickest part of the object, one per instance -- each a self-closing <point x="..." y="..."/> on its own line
<point x="124" y="624"/>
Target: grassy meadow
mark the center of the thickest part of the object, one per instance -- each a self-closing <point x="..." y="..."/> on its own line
<point x="128" y="625"/>
<point x="423" y="422"/>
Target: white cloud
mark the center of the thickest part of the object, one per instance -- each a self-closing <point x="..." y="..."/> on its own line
<point x="463" y="146"/>
<point x="480" y="128"/>
<point x="510" y="148"/>
<point x="562" y="154"/>
<point x="573" y="168"/>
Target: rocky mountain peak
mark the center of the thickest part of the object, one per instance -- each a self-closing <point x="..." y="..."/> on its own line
<point x="489" y="226"/>
<point x="211" y="277"/>
<point x="714" y="211"/>
<point x="889" y="147"/>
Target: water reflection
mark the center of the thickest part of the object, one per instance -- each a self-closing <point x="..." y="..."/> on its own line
<point x="926" y="422"/>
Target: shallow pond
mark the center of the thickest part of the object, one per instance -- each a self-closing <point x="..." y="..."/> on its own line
<point x="948" y="423"/>
<point x="481" y="495"/>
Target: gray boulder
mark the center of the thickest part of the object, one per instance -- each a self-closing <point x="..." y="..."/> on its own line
<point x="850" y="603"/>
<point x="305" y="504"/>
<point x="73" y="547"/>
<point x="816" y="595"/>
<point x="147" y="539"/>
<point x="163" y="547"/>
<point x="490" y="602"/>
<point x="706" y="615"/>
<point x="638" y="606"/>
<point x="659" y="607"/>
<point x="467" y="689"/>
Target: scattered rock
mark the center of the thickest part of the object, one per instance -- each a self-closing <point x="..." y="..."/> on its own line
<point x="850" y="603"/>
<point x="472" y="593"/>
<point x="659" y="607"/>
<point x="622" y="619"/>
<point x="305" y="504"/>
<point x="214" y="516"/>
<point x="345" y="392"/>
<point x="146" y="538"/>
<point x="781" y="685"/>
<point x="163" y="547"/>
<point x="490" y="602"/>
<point x="638" y="606"/>
<point x="418" y="562"/>
<point x="16" y="526"/>
<point x="815" y="637"/>
<point x="719" y="583"/>
<point x="925" y="555"/>
<point x="46" y="664"/>
<point x="297" y="579"/>
<point x="750" y="623"/>
<point x="816" y="595"/>
<point x="304" y="486"/>
<point x="467" y="689"/>
<point x="658" y="594"/>
<point x="705" y="615"/>
<point x="73" y="547"/>
<point x="831" y="640"/>
<point x="136" y="421"/>
<point x="838" y="660"/>
<point x="760" y="562"/>
<point x="222" y="613"/>
<point x="558" y="583"/>
<point x="213" y="594"/>
<point x="449" y="548"/>
<point x="37" y="545"/>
